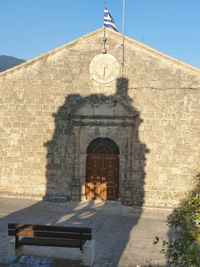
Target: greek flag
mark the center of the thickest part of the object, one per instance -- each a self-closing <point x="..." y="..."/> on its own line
<point x="108" y="20"/>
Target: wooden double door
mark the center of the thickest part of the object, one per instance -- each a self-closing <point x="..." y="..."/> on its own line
<point x="102" y="176"/>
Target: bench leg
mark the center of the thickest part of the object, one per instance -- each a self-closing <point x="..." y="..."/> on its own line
<point x="88" y="253"/>
<point x="13" y="251"/>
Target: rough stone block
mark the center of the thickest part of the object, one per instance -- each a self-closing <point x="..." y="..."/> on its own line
<point x="14" y="252"/>
<point x="88" y="253"/>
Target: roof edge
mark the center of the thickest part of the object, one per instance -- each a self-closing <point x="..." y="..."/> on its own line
<point x="47" y="54"/>
<point x="137" y="44"/>
<point x="157" y="53"/>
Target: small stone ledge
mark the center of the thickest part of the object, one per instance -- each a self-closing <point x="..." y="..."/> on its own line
<point x="21" y="196"/>
<point x="56" y="198"/>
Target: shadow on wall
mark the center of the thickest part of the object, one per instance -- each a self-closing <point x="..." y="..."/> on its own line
<point x="81" y="120"/>
<point x="65" y="171"/>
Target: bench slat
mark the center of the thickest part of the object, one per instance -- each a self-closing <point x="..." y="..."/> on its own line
<point x="12" y="226"/>
<point x="65" y="235"/>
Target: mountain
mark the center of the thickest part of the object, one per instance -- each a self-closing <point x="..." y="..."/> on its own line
<point x="7" y="62"/>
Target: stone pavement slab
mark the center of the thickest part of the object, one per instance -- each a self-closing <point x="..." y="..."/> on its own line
<point x="124" y="235"/>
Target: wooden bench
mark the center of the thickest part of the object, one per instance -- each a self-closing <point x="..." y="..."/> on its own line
<point x="52" y="236"/>
<point x="48" y="235"/>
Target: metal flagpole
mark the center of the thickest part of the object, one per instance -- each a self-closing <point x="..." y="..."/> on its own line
<point x="123" y="54"/>
<point x="104" y="31"/>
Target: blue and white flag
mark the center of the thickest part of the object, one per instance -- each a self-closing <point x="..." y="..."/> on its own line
<point x="108" y="20"/>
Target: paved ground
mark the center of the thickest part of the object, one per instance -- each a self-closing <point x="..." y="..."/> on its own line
<point x="124" y="235"/>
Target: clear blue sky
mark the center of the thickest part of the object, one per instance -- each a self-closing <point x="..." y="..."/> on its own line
<point x="29" y="28"/>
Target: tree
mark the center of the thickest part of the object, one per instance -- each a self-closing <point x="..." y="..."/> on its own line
<point x="184" y="249"/>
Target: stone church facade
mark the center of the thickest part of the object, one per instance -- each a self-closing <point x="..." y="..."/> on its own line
<point x="76" y="123"/>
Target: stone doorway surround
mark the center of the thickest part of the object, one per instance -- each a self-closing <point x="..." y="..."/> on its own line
<point x="107" y="118"/>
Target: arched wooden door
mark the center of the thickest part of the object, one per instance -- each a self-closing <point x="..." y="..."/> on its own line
<point x="102" y="170"/>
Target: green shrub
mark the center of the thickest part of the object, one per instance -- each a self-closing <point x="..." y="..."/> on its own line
<point x="184" y="249"/>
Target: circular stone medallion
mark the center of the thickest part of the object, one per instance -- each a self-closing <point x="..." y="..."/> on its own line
<point x="104" y="68"/>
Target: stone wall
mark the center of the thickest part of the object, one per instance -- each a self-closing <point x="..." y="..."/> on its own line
<point x="38" y="141"/>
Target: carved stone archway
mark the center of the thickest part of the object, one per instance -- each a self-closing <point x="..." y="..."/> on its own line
<point x="102" y="145"/>
<point x="107" y="118"/>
